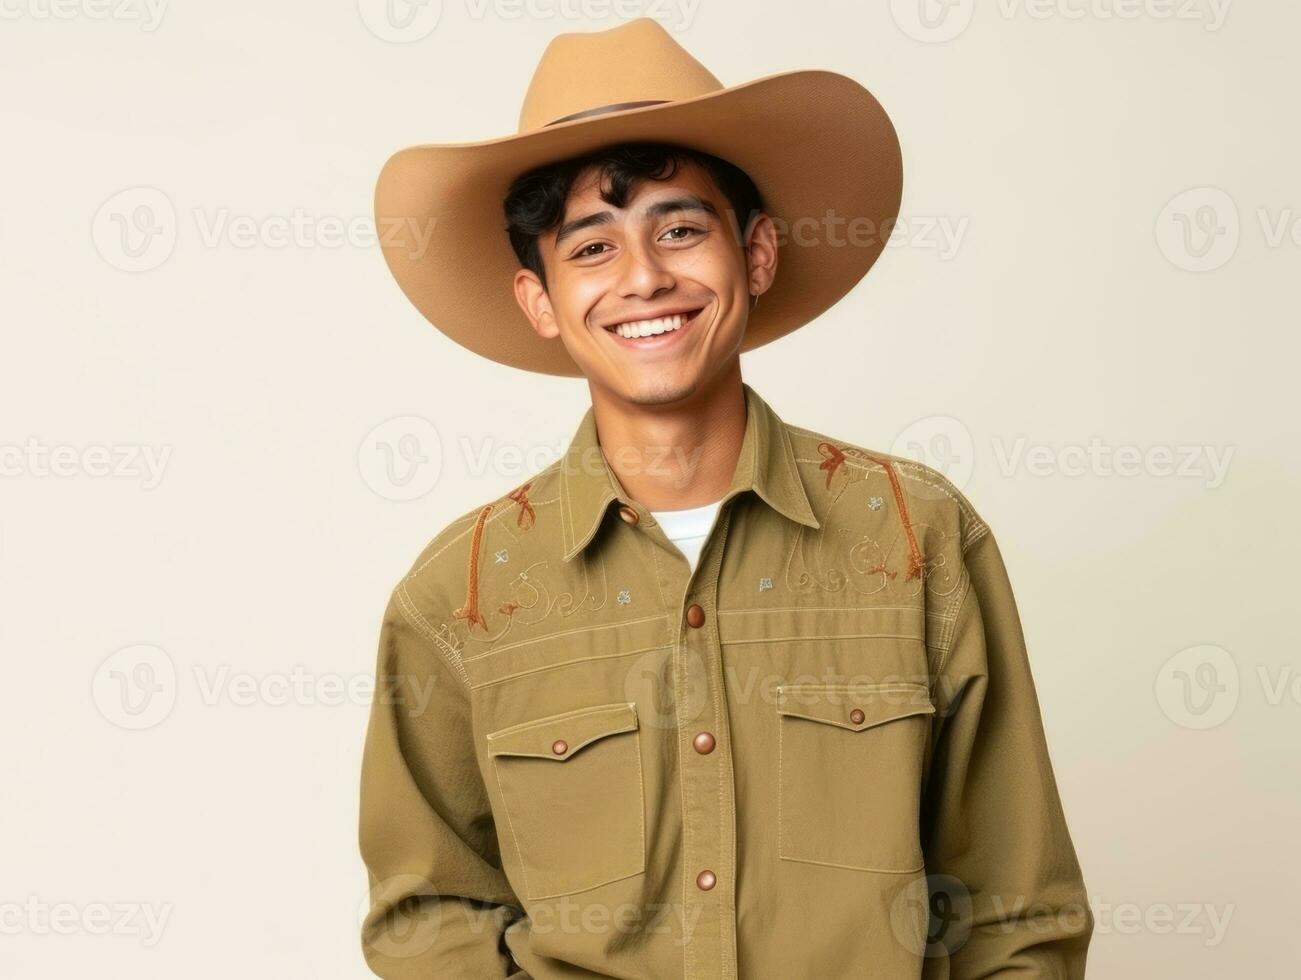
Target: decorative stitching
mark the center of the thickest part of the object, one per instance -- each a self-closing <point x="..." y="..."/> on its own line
<point x="470" y="611"/>
<point x="615" y="626"/>
<point x="570" y="715"/>
<point x="422" y="626"/>
<point x="520" y="496"/>
<point x="566" y="663"/>
<point x="467" y="519"/>
<point x="916" y="564"/>
<point x="944" y="642"/>
<point x="974" y="528"/>
<point x="974" y="534"/>
<point x="802" y="637"/>
<point x="505" y="803"/>
<point x="772" y="609"/>
<point x="833" y="456"/>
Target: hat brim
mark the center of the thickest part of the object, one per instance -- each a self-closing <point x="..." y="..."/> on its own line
<point x="818" y="145"/>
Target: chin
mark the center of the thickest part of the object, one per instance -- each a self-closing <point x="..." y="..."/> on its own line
<point x="663" y="388"/>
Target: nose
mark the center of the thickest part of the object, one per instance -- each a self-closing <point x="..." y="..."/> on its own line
<point x="642" y="272"/>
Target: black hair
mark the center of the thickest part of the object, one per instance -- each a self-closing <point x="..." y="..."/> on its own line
<point x="535" y="202"/>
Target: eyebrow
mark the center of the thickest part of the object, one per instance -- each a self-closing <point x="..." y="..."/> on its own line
<point x="689" y="202"/>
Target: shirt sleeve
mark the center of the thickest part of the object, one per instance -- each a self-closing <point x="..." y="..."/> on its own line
<point x="1007" y="897"/>
<point x="439" y="902"/>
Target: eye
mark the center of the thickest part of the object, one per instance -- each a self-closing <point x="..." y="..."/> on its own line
<point x="687" y="228"/>
<point x="583" y="252"/>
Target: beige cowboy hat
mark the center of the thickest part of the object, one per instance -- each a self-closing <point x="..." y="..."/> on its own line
<point x="817" y="144"/>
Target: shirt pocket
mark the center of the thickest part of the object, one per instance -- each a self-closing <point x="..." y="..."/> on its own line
<point x="849" y="764"/>
<point x="571" y="784"/>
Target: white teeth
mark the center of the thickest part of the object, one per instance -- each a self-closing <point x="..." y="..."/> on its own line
<point x="648" y="328"/>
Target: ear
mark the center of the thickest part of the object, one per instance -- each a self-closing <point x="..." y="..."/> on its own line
<point x="761" y="254"/>
<point x="536" y="304"/>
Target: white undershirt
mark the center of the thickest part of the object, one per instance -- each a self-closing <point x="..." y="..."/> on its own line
<point x="688" y="528"/>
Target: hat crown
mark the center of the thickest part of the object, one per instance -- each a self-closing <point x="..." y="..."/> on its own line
<point x="638" y="61"/>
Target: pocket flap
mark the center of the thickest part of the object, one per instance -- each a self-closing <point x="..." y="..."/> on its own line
<point x="854" y="706"/>
<point x="557" y="737"/>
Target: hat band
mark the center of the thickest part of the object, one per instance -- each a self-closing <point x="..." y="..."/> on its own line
<point x="602" y="109"/>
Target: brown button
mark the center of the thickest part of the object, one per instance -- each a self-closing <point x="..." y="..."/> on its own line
<point x="560" y="746"/>
<point x="703" y="743"/>
<point x="629" y="514"/>
<point x="706" y="880"/>
<point x="856" y="716"/>
<point x="695" y="615"/>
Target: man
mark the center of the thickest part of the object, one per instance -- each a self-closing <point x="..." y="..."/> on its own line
<point x="712" y="695"/>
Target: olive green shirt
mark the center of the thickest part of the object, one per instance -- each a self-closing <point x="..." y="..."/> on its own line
<point x="817" y="755"/>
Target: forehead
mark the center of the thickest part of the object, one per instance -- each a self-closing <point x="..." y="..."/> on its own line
<point x="585" y="196"/>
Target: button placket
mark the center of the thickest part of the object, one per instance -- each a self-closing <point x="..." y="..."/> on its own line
<point x="709" y="808"/>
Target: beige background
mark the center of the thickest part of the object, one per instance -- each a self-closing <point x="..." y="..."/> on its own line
<point x="208" y="433"/>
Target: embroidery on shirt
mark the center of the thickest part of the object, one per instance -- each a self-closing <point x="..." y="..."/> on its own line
<point x="444" y="636"/>
<point x="470" y="610"/>
<point x="833" y="456"/>
<point x="520" y="495"/>
<point x="502" y="556"/>
<point x="867" y="557"/>
<point x="624" y="597"/>
<point x="870" y="561"/>
<point x="529" y="597"/>
<point x="765" y="584"/>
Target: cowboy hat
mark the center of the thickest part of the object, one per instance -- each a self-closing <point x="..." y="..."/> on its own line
<point x="818" y="145"/>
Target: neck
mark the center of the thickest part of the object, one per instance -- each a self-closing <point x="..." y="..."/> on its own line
<point x="678" y="454"/>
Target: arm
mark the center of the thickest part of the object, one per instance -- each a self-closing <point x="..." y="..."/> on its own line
<point x="1003" y="871"/>
<point x="439" y="901"/>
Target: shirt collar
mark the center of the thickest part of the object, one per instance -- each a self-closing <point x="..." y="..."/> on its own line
<point x="766" y="465"/>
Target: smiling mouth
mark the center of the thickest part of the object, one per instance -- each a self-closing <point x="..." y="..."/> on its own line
<point x="636" y="330"/>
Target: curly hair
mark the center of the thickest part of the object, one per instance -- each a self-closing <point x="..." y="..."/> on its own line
<point x="535" y="202"/>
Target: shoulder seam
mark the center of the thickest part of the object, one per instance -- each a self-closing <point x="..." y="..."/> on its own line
<point x="421" y="625"/>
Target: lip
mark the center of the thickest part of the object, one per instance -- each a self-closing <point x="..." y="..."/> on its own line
<point x="660" y="340"/>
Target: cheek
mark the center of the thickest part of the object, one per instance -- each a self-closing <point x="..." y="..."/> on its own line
<point x="713" y="268"/>
<point x="577" y="298"/>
